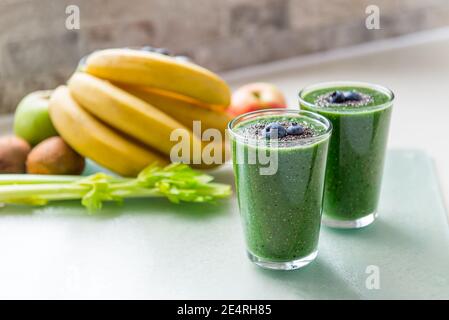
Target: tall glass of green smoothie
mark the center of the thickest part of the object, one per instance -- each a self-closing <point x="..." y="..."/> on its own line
<point x="279" y="159"/>
<point x="360" y="114"/>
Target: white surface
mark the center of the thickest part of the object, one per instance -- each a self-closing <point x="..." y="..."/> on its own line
<point x="150" y="249"/>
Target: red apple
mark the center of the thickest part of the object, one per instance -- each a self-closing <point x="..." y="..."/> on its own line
<point x="256" y="96"/>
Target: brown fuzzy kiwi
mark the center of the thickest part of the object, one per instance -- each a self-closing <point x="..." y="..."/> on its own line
<point x="54" y="156"/>
<point x="13" y="154"/>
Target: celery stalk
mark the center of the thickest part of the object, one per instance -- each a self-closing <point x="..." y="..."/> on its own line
<point x="6" y="179"/>
<point x="177" y="182"/>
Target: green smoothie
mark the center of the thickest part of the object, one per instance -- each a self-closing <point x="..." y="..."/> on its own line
<point x="360" y="114"/>
<point x="280" y="208"/>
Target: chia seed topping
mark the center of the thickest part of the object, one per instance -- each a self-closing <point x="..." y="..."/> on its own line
<point x="256" y="131"/>
<point x="324" y="101"/>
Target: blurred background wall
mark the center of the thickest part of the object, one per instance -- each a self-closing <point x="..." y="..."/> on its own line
<point x="38" y="52"/>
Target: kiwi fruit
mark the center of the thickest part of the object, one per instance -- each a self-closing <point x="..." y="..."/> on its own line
<point x="13" y="154"/>
<point x="54" y="156"/>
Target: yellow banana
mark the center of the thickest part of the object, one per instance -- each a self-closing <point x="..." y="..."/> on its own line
<point x="182" y="110"/>
<point x="151" y="69"/>
<point x="124" y="111"/>
<point x="175" y="96"/>
<point x="93" y="139"/>
<point x="186" y="113"/>
<point x="136" y="118"/>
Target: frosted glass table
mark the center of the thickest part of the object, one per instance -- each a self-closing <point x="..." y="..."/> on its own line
<point x="153" y="249"/>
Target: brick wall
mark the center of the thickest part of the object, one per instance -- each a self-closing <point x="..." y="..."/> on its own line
<point x="38" y="52"/>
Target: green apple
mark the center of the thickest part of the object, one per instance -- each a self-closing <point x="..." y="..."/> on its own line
<point x="32" y="121"/>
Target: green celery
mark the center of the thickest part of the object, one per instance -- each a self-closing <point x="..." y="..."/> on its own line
<point x="177" y="182"/>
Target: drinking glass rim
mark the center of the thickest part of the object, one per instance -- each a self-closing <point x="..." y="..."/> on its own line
<point x="343" y="83"/>
<point x="305" y="142"/>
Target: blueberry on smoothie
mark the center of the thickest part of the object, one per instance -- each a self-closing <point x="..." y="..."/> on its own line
<point x="352" y="96"/>
<point x="337" y="97"/>
<point x="295" y="129"/>
<point x="274" y="130"/>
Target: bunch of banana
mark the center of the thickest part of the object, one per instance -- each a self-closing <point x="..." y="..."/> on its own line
<point x="150" y="69"/>
<point x="123" y="109"/>
<point x="93" y="139"/>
